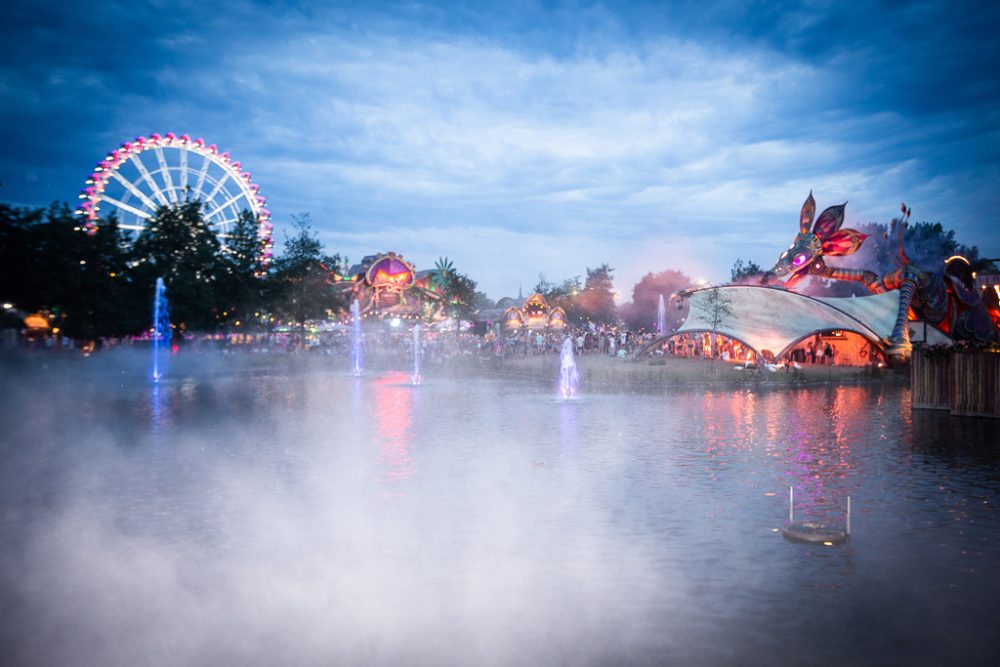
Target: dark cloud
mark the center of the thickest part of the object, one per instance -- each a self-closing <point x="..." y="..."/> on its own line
<point x="617" y="122"/>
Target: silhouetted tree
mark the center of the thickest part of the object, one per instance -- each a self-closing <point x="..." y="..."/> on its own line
<point x="641" y="311"/>
<point x="565" y="295"/>
<point x="742" y="271"/>
<point x="178" y="246"/>
<point x="461" y="296"/>
<point x="301" y="286"/>
<point x="243" y="283"/>
<point x="47" y="262"/>
<point x="597" y="301"/>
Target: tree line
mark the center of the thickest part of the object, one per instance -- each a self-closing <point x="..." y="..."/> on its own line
<point x="101" y="284"/>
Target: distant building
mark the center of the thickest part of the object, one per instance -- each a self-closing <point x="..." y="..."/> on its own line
<point x="532" y="314"/>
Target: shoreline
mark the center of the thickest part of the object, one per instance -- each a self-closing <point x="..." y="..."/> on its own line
<point x="596" y="372"/>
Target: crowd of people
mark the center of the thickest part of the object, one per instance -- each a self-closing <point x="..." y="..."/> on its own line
<point x="612" y="341"/>
<point x="435" y="345"/>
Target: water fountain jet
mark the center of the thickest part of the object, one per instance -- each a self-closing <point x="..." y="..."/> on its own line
<point x="568" y="376"/>
<point x="162" y="334"/>
<point x="417" y="355"/>
<point x="357" y="350"/>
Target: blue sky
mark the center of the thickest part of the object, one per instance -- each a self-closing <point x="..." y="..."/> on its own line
<point x="525" y="137"/>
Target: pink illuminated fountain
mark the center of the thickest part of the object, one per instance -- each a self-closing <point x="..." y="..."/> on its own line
<point x="568" y="376"/>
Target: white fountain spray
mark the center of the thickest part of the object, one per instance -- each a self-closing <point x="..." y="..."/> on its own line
<point x="568" y="376"/>
<point x="661" y="317"/>
<point x="357" y="351"/>
<point x="417" y="355"/>
<point x="162" y="334"/>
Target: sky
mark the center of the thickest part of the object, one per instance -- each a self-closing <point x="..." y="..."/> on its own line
<point x="526" y="138"/>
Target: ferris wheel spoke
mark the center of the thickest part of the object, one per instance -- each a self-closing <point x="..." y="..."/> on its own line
<point x="149" y="203"/>
<point x="165" y="170"/>
<point x="201" y="174"/>
<point x="218" y="187"/>
<point x="128" y="208"/>
<point x="184" y="169"/>
<point x="146" y="176"/>
<point x="224" y="225"/>
<point x="226" y="204"/>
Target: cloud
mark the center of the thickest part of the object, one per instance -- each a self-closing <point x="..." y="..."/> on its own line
<point x="599" y="128"/>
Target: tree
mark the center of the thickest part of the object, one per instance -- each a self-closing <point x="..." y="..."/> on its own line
<point x="103" y="297"/>
<point x="243" y="281"/>
<point x="461" y="295"/>
<point x="742" y="272"/>
<point x="565" y="295"/>
<point x="597" y="301"/>
<point x="48" y="263"/>
<point x="301" y="287"/>
<point x="444" y="271"/>
<point x="715" y="307"/>
<point x="641" y="311"/>
<point x="480" y="301"/>
<point x="178" y="246"/>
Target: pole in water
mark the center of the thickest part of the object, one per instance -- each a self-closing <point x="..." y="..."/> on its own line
<point x="812" y="532"/>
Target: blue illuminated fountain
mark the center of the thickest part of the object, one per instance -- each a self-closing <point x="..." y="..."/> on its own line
<point x="417" y="355"/>
<point x="357" y="351"/>
<point x="661" y="318"/>
<point x="162" y="334"/>
<point x="568" y="376"/>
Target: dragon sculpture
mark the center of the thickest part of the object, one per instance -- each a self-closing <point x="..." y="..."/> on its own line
<point x="948" y="300"/>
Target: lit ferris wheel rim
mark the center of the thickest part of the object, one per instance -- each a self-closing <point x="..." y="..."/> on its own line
<point x="150" y="172"/>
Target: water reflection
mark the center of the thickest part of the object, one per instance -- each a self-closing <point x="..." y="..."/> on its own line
<point x="393" y="403"/>
<point x="569" y="436"/>
<point x="159" y="409"/>
<point x="649" y="516"/>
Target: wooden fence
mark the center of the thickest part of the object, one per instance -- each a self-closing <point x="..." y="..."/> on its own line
<point x="964" y="382"/>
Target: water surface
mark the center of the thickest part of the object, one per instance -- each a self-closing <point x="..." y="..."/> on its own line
<point x="319" y="518"/>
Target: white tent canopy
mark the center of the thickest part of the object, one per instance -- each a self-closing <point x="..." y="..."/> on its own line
<point x="774" y="319"/>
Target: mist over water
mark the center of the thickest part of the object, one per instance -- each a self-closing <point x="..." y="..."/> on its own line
<point x="320" y="518"/>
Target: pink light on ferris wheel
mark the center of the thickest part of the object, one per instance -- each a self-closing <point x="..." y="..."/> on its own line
<point x="134" y="181"/>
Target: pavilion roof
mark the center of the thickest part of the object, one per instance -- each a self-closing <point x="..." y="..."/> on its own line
<point x="772" y="318"/>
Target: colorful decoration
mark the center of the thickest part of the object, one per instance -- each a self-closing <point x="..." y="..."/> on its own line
<point x="155" y="171"/>
<point x="388" y="285"/>
<point x="534" y="314"/>
<point x="947" y="300"/>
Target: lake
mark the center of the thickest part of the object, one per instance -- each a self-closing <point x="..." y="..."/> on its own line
<point x="312" y="517"/>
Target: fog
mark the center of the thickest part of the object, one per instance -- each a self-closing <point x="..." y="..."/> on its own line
<point x="310" y="517"/>
<point x="281" y="533"/>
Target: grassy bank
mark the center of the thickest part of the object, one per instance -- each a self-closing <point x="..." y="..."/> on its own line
<point x="602" y="371"/>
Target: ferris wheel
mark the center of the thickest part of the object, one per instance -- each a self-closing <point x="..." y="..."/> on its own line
<point x="150" y="172"/>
